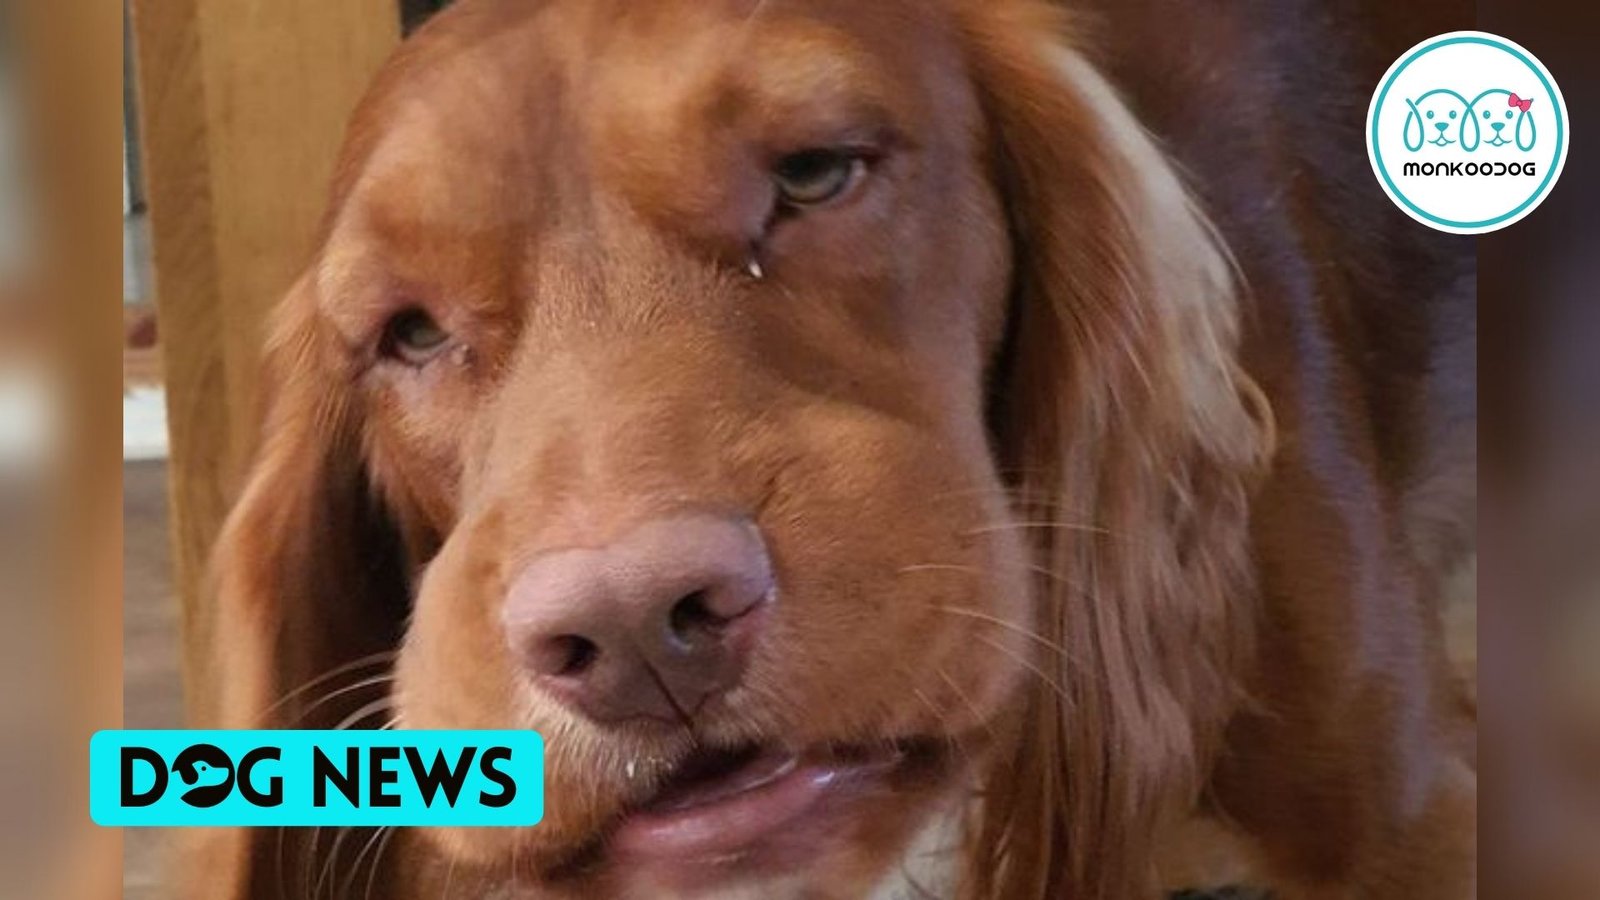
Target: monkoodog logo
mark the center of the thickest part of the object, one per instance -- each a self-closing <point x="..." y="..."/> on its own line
<point x="1467" y="132"/>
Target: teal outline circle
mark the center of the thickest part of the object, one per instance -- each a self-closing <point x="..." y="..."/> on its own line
<point x="1377" y="112"/>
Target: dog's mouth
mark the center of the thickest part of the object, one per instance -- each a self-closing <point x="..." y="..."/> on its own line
<point x="726" y="804"/>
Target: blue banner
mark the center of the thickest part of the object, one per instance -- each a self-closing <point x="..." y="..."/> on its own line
<point x="326" y="778"/>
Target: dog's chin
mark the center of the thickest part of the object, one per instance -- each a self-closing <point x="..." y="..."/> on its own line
<point x="749" y="814"/>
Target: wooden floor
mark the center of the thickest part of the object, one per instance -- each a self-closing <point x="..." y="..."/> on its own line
<point x="152" y="692"/>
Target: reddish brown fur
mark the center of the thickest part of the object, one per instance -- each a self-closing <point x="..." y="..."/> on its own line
<point x="992" y="413"/>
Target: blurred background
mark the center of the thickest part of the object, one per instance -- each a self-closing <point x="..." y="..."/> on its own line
<point x="1539" y="508"/>
<point x="233" y="115"/>
<point x="212" y="124"/>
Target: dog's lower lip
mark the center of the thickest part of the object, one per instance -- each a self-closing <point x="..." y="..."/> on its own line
<point x="735" y="811"/>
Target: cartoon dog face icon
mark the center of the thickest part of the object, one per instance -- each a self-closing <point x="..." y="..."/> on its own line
<point x="1516" y="109"/>
<point x="209" y="769"/>
<point x="1437" y="118"/>
<point x="1499" y="110"/>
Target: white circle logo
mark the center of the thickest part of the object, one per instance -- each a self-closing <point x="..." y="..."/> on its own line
<point x="1467" y="132"/>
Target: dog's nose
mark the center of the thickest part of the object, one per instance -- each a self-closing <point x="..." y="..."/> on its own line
<point x="1441" y="126"/>
<point x="651" y="625"/>
<point x="1497" y="126"/>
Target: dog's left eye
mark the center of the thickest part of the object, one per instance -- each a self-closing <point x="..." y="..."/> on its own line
<point x="815" y="177"/>
<point x="414" y="337"/>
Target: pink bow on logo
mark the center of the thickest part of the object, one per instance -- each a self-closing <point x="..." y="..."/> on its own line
<point x="1520" y="103"/>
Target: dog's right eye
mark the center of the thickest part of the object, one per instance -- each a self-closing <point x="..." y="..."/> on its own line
<point x="816" y="177"/>
<point x="413" y="337"/>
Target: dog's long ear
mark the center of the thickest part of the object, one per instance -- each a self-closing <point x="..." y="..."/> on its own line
<point x="308" y="581"/>
<point x="1120" y="402"/>
<point x="307" y="573"/>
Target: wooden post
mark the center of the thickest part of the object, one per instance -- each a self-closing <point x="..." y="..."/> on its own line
<point x="243" y="105"/>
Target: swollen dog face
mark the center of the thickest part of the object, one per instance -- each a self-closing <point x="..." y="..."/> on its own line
<point x="686" y="380"/>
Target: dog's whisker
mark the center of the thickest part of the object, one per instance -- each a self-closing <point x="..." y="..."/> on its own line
<point x="942" y="719"/>
<point x="377" y="861"/>
<point x="1012" y="627"/>
<point x="326" y="870"/>
<point x="966" y="701"/>
<point x="1003" y="492"/>
<point x="1010" y="492"/>
<point x="485" y="881"/>
<point x="355" y="864"/>
<point x="449" y="878"/>
<point x="309" y="860"/>
<point x="382" y="704"/>
<point x="939" y="567"/>
<point x="1014" y="502"/>
<point x="1030" y="666"/>
<point x="1032" y="524"/>
<point x="1056" y="577"/>
<point x="977" y="571"/>
<point x="384" y="657"/>
<point x="280" y="864"/>
<point x="374" y="681"/>
<point x="755" y="12"/>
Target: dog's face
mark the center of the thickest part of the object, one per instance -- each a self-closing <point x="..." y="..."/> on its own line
<point x="1437" y="114"/>
<point x="673" y="325"/>
<point x="789" y="409"/>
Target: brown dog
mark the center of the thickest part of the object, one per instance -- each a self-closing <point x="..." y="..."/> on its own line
<point x="833" y="423"/>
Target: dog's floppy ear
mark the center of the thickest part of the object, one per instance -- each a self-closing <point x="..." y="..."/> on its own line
<point x="1119" y="401"/>
<point x="308" y="574"/>
<point x="308" y="581"/>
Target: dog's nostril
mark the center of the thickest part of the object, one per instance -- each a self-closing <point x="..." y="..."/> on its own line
<point x="572" y="654"/>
